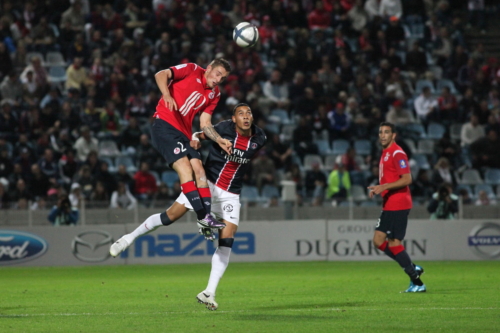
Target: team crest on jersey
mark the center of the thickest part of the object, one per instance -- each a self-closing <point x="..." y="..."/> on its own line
<point x="386" y="157"/>
<point x="228" y="208"/>
<point x="402" y="164"/>
<point x="211" y="95"/>
<point x="254" y="145"/>
<point x="198" y="80"/>
<point x="177" y="150"/>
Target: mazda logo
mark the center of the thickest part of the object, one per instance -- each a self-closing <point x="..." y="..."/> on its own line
<point x="88" y="246"/>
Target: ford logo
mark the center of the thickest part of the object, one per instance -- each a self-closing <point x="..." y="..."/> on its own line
<point x="17" y="247"/>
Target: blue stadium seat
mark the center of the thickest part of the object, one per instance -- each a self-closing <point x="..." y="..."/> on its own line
<point x="425" y="146"/>
<point x="415" y="130"/>
<point x="435" y="131"/>
<point x="424" y="83"/>
<point x="447" y="83"/>
<point x="340" y="146"/>
<point x="127" y="161"/>
<point x="363" y="147"/>
<point x="57" y="74"/>
<point x="422" y="161"/>
<point x="323" y="147"/>
<point x="357" y="177"/>
<point x="111" y="164"/>
<point x="309" y="159"/>
<point x="250" y="194"/>
<point x="170" y="178"/>
<point x="468" y="188"/>
<point x="270" y="191"/>
<point x="471" y="177"/>
<point x="282" y="115"/>
<point x="484" y="187"/>
<point x="492" y="177"/>
<point x="358" y="193"/>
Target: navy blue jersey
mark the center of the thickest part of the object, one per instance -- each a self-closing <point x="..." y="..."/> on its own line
<point x="227" y="171"/>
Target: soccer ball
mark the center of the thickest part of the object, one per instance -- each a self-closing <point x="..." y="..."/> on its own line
<point x="245" y="34"/>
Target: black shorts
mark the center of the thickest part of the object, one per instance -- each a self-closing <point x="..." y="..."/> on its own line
<point x="393" y="223"/>
<point x="171" y="143"/>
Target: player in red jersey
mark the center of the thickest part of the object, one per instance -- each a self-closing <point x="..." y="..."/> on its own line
<point x="187" y="90"/>
<point x="394" y="178"/>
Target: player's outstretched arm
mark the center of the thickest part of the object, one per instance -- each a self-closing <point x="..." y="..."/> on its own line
<point x="162" y="78"/>
<point x="210" y="132"/>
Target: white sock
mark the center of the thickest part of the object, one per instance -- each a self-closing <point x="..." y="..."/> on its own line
<point x="220" y="260"/>
<point x="152" y="223"/>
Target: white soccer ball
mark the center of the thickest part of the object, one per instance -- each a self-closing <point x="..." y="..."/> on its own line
<point x="245" y="34"/>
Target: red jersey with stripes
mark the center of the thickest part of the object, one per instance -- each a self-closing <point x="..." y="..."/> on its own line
<point x="188" y="88"/>
<point x="393" y="164"/>
<point x="227" y="171"/>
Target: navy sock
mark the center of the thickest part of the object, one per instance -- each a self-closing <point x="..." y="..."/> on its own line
<point x="191" y="192"/>
<point x="206" y="198"/>
<point x="403" y="259"/>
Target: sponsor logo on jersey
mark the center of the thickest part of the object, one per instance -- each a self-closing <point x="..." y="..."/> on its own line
<point x="254" y="145"/>
<point x="211" y="95"/>
<point x="402" y="164"/>
<point x="177" y="150"/>
<point x="198" y="80"/>
<point x="386" y="157"/>
<point x="17" y="247"/>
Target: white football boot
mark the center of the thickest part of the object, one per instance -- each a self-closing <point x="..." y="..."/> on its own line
<point x="118" y="247"/>
<point x="208" y="300"/>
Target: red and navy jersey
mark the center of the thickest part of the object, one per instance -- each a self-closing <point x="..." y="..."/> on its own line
<point x="227" y="171"/>
<point x="188" y="88"/>
<point x="393" y="164"/>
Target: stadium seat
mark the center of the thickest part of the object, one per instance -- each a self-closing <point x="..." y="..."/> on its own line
<point x="323" y="147"/>
<point x="424" y="83"/>
<point x="111" y="164"/>
<point x="455" y="132"/>
<point x="357" y="177"/>
<point x="273" y="128"/>
<point x="55" y="58"/>
<point x="447" y="83"/>
<point x="492" y="177"/>
<point x="170" y="178"/>
<point x="57" y="74"/>
<point x="437" y="71"/>
<point x="425" y="146"/>
<point x="108" y="148"/>
<point x="330" y="162"/>
<point x="363" y="147"/>
<point x="127" y="162"/>
<point x="435" y="131"/>
<point x="30" y="55"/>
<point x="411" y="144"/>
<point x="414" y="130"/>
<point x="471" y="177"/>
<point x="422" y="161"/>
<point x="270" y="191"/>
<point x="250" y="194"/>
<point x="310" y="159"/>
<point x="484" y="187"/>
<point x="282" y="115"/>
<point x="358" y="193"/>
<point x="468" y="188"/>
<point x="340" y="146"/>
<point x="157" y="177"/>
<point x="287" y="132"/>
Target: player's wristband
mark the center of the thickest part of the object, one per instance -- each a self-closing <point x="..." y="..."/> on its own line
<point x="195" y="137"/>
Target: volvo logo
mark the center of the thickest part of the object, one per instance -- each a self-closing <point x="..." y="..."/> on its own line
<point x="484" y="240"/>
<point x="92" y="246"/>
<point x="17" y="247"/>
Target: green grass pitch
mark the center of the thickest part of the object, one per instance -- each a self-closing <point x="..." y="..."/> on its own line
<point x="252" y="297"/>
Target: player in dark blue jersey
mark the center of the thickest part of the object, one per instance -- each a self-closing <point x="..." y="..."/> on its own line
<point x="225" y="177"/>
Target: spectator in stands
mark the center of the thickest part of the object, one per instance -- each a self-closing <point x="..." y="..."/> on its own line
<point x="68" y="165"/>
<point x="99" y="195"/>
<point x="483" y="113"/>
<point x="350" y="160"/>
<point x="467" y="106"/>
<point x="399" y="115"/>
<point x="426" y="106"/>
<point x="4" y="195"/>
<point x="62" y="213"/>
<point x="339" y="183"/>
<point x="131" y="136"/>
<point x="123" y="176"/>
<point x="394" y="33"/>
<point x="263" y="170"/>
<point x="75" y="195"/>
<point x="476" y="11"/>
<point x="443" y="204"/>
<point x="77" y="76"/>
<point x="106" y="178"/>
<point x="485" y="151"/>
<point x="492" y="125"/>
<point x="303" y="139"/>
<point x="448" y="106"/>
<point x="9" y="123"/>
<point x="422" y="188"/>
<point x="443" y="173"/>
<point x="93" y="163"/>
<point x="444" y="147"/>
<point x="74" y="17"/>
<point x="318" y="18"/>
<point x="6" y="166"/>
<point x="92" y="117"/>
<point x="358" y="16"/>
<point x="110" y="120"/>
<point x="340" y="123"/>
<point x="20" y="192"/>
<point x="85" y="144"/>
<point x="281" y="153"/>
<point x="294" y="173"/>
<point x="315" y="182"/>
<point x="86" y="181"/>
<point x="484" y="200"/>
<point x="5" y="60"/>
<point x="40" y="75"/>
<point x="277" y="91"/>
<point x="471" y="131"/>
<point x="443" y="47"/>
<point x="11" y="89"/>
<point x="145" y="152"/>
<point x="390" y="8"/>
<point x="145" y="184"/>
<point x="465" y="195"/>
<point x="48" y="166"/>
<point x="416" y="60"/>
<point x="122" y="198"/>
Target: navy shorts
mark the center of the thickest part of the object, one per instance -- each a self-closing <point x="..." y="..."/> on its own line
<point x="393" y="223"/>
<point x="171" y="143"/>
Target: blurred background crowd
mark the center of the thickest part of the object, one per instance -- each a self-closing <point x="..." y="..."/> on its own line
<point x="77" y="92"/>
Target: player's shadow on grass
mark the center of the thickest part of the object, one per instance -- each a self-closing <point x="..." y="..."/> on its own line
<point x="301" y="306"/>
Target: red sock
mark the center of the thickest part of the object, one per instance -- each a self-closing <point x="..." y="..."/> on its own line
<point x="383" y="245"/>
<point x="191" y="192"/>
<point x="396" y="249"/>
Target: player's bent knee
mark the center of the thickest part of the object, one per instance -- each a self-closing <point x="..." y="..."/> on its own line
<point x="226" y="242"/>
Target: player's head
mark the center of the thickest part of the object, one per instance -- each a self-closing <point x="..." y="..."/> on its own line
<point x="217" y="72"/>
<point x="242" y="116"/>
<point x="386" y="134"/>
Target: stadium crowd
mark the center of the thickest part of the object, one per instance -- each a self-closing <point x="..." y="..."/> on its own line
<point x="77" y="93"/>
